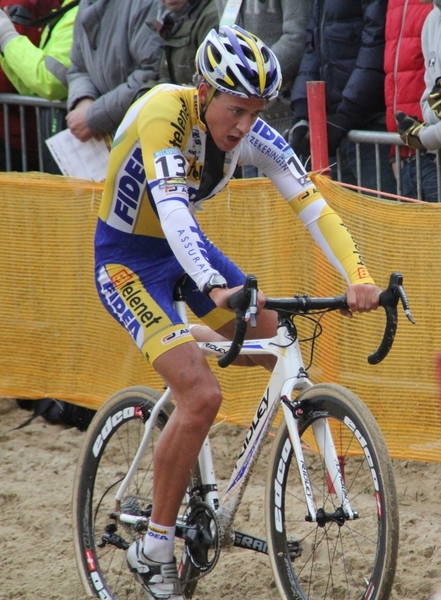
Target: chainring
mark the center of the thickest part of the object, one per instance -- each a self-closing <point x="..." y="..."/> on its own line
<point x="202" y="543"/>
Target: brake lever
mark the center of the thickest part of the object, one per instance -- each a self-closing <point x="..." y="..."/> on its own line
<point x="252" y="310"/>
<point x="389" y="300"/>
<point x="405" y="301"/>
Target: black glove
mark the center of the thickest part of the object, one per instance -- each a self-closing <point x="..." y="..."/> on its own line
<point x="19" y="15"/>
<point x="298" y="138"/>
<point x="409" y="129"/>
<point x="337" y="126"/>
<point x="434" y="98"/>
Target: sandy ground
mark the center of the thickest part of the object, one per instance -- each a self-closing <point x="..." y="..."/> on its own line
<point x="36" y="550"/>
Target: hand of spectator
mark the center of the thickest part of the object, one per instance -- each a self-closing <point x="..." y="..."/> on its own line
<point x="337" y="127"/>
<point x="434" y="98"/>
<point x="409" y="129"/>
<point x="7" y="30"/>
<point x="298" y="138"/>
<point x="77" y="121"/>
<point x="19" y="15"/>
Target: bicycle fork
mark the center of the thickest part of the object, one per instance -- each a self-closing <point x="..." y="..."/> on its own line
<point x="334" y="468"/>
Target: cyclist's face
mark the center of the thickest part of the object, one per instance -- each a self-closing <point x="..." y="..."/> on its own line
<point x="229" y="118"/>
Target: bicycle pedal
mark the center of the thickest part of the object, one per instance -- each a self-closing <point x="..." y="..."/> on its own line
<point x="295" y="549"/>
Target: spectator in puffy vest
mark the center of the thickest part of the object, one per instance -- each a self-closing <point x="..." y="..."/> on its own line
<point x="345" y="49"/>
<point x="426" y="135"/>
<point x="404" y="86"/>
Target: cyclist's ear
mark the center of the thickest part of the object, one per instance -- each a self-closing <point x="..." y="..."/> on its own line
<point x="203" y="91"/>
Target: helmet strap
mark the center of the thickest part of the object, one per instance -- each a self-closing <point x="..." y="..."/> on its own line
<point x="210" y="95"/>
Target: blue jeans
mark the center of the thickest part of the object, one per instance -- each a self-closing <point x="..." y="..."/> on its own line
<point x="368" y="167"/>
<point x="429" y="184"/>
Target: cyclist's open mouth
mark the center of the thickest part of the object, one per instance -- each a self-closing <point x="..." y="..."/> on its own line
<point x="233" y="140"/>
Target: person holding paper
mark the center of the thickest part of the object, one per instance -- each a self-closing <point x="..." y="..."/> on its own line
<point x="114" y="54"/>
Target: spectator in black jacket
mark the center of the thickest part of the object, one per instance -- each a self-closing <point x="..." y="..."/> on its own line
<point x="345" y="49"/>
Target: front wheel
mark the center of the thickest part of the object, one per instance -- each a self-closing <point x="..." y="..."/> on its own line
<point x="100" y="538"/>
<point x="336" y="556"/>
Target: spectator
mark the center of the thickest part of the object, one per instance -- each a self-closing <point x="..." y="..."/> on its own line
<point x="345" y="49"/>
<point x="183" y="26"/>
<point x="427" y="135"/>
<point x="114" y="55"/>
<point x="281" y="25"/>
<point x="404" y="85"/>
<point x="33" y="62"/>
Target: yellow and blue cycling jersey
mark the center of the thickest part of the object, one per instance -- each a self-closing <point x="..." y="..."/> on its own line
<point x="163" y="163"/>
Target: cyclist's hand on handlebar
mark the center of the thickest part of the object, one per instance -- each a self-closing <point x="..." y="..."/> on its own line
<point x="361" y="297"/>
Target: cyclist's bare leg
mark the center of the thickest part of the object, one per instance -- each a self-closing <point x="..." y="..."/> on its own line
<point x="198" y="397"/>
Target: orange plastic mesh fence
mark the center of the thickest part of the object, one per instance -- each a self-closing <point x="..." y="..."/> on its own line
<point x="58" y="341"/>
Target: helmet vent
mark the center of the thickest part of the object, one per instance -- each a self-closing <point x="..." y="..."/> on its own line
<point x="216" y="54"/>
<point x="248" y="52"/>
<point x="230" y="49"/>
<point x="250" y="75"/>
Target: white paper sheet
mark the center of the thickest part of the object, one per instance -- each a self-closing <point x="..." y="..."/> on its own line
<point x="86" y="160"/>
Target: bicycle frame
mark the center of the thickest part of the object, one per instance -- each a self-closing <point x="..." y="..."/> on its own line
<point x="288" y="377"/>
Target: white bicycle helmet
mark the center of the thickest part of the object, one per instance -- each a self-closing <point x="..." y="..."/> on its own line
<point x="235" y="61"/>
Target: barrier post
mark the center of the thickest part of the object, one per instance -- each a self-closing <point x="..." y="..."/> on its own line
<point x="317" y="125"/>
<point x="320" y="162"/>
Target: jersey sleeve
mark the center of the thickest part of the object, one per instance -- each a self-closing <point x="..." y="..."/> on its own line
<point x="164" y="130"/>
<point x="268" y="150"/>
<point x="331" y="234"/>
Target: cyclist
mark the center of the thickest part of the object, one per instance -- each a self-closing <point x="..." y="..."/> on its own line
<point x="176" y="147"/>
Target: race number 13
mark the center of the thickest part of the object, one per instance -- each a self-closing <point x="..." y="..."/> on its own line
<point x="170" y="165"/>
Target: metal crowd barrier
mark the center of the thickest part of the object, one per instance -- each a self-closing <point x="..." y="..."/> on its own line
<point x="378" y="138"/>
<point x="357" y="137"/>
<point x="7" y="100"/>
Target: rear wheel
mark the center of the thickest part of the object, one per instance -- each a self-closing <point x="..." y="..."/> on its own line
<point x="100" y="538"/>
<point x="335" y="557"/>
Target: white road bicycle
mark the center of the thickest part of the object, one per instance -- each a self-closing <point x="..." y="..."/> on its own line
<point x="336" y="540"/>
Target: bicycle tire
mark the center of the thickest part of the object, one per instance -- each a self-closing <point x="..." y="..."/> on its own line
<point x="352" y="560"/>
<point x="111" y="442"/>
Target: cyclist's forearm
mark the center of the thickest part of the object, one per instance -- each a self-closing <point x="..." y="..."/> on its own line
<point x="333" y="237"/>
<point x="183" y="235"/>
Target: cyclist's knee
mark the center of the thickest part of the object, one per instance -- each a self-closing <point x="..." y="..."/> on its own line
<point x="202" y="405"/>
<point x="194" y="387"/>
<point x="197" y="406"/>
